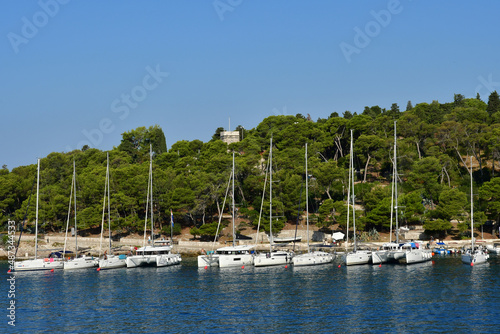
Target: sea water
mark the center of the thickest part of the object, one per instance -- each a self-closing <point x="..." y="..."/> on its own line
<point x="439" y="296"/>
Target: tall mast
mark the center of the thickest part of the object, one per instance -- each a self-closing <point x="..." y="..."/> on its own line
<point x="36" y="215"/>
<point x="234" y="236"/>
<point x="353" y="200"/>
<point x="396" y="184"/>
<point x="471" y="209"/>
<point x="74" y="193"/>
<point x="307" y="205"/>
<point x="147" y="203"/>
<point x="151" y="189"/>
<point x="271" y="196"/>
<point x="109" y="211"/>
<point x="393" y="182"/>
<point x="348" y="198"/>
<point x="103" y="210"/>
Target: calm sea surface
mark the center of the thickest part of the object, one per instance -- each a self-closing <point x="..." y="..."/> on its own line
<point x="440" y="296"/>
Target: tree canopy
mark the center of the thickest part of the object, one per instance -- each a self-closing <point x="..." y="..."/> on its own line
<point x="434" y="144"/>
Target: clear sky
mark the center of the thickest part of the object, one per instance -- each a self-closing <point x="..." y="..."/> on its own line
<point x="83" y="72"/>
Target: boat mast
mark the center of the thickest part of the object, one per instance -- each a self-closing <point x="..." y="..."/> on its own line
<point x="271" y="196"/>
<point x="109" y="211"/>
<point x="147" y="204"/>
<point x="103" y="210"/>
<point x="471" y="209"/>
<point x="74" y="193"/>
<point x="36" y="215"/>
<point x="348" y="199"/>
<point x="69" y="213"/>
<point x="392" y="185"/>
<point x="353" y="210"/>
<point x="307" y="205"/>
<point x="151" y="189"/>
<point x="396" y="184"/>
<point x="234" y="236"/>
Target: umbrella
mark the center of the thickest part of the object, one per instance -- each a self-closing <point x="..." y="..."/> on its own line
<point x="338" y="235"/>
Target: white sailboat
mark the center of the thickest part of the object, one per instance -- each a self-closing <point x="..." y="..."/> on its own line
<point x="152" y="255"/>
<point x="82" y="262"/>
<point x="476" y="254"/>
<point x="310" y="258"/>
<point x="387" y="250"/>
<point x="109" y="260"/>
<point x="211" y="258"/>
<point x="273" y="257"/>
<point x="36" y="263"/>
<point x="229" y="256"/>
<point x="235" y="256"/>
<point x="356" y="256"/>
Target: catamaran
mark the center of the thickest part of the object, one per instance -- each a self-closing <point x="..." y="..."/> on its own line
<point x="310" y="258"/>
<point x="36" y="263"/>
<point x="82" y="262"/>
<point x="273" y="257"/>
<point x="109" y="260"/>
<point x="476" y="254"/>
<point x="152" y="255"/>
<point x="357" y="256"/>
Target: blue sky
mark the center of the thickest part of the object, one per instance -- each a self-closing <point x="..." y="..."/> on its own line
<point x="83" y="72"/>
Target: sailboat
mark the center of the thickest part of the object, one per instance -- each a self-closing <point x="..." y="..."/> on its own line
<point x="388" y="250"/>
<point x="152" y="255"/>
<point x="310" y="258"/>
<point x="36" y="263"/>
<point x="476" y="254"/>
<point x="211" y="258"/>
<point x="109" y="261"/>
<point x="273" y="257"/>
<point x="356" y="256"/>
<point x="76" y="262"/>
<point x="235" y="256"/>
<point x="230" y="256"/>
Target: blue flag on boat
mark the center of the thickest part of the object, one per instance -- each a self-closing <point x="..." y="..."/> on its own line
<point x="172" y="218"/>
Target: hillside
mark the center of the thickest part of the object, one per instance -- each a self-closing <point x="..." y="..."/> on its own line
<point x="434" y="143"/>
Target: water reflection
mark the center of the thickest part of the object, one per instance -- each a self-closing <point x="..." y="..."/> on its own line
<point x="326" y="298"/>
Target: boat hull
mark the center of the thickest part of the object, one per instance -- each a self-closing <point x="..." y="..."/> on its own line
<point x="38" y="264"/>
<point x="380" y="257"/>
<point x="493" y="249"/>
<point x="165" y="260"/>
<point x="357" y="258"/>
<point x="474" y="258"/>
<point x="137" y="261"/>
<point x="81" y="263"/>
<point x="112" y="262"/>
<point x="211" y="260"/>
<point x="235" y="260"/>
<point x="312" y="259"/>
<point x="272" y="259"/>
<point x="416" y="256"/>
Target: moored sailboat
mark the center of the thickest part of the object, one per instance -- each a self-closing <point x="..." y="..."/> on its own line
<point x="235" y="255"/>
<point x="387" y="251"/>
<point x="84" y="261"/>
<point x="152" y="255"/>
<point x="109" y="260"/>
<point x="273" y="257"/>
<point x="36" y="263"/>
<point x="475" y="254"/>
<point x="310" y="258"/>
<point x="357" y="256"/>
<point x="229" y="256"/>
